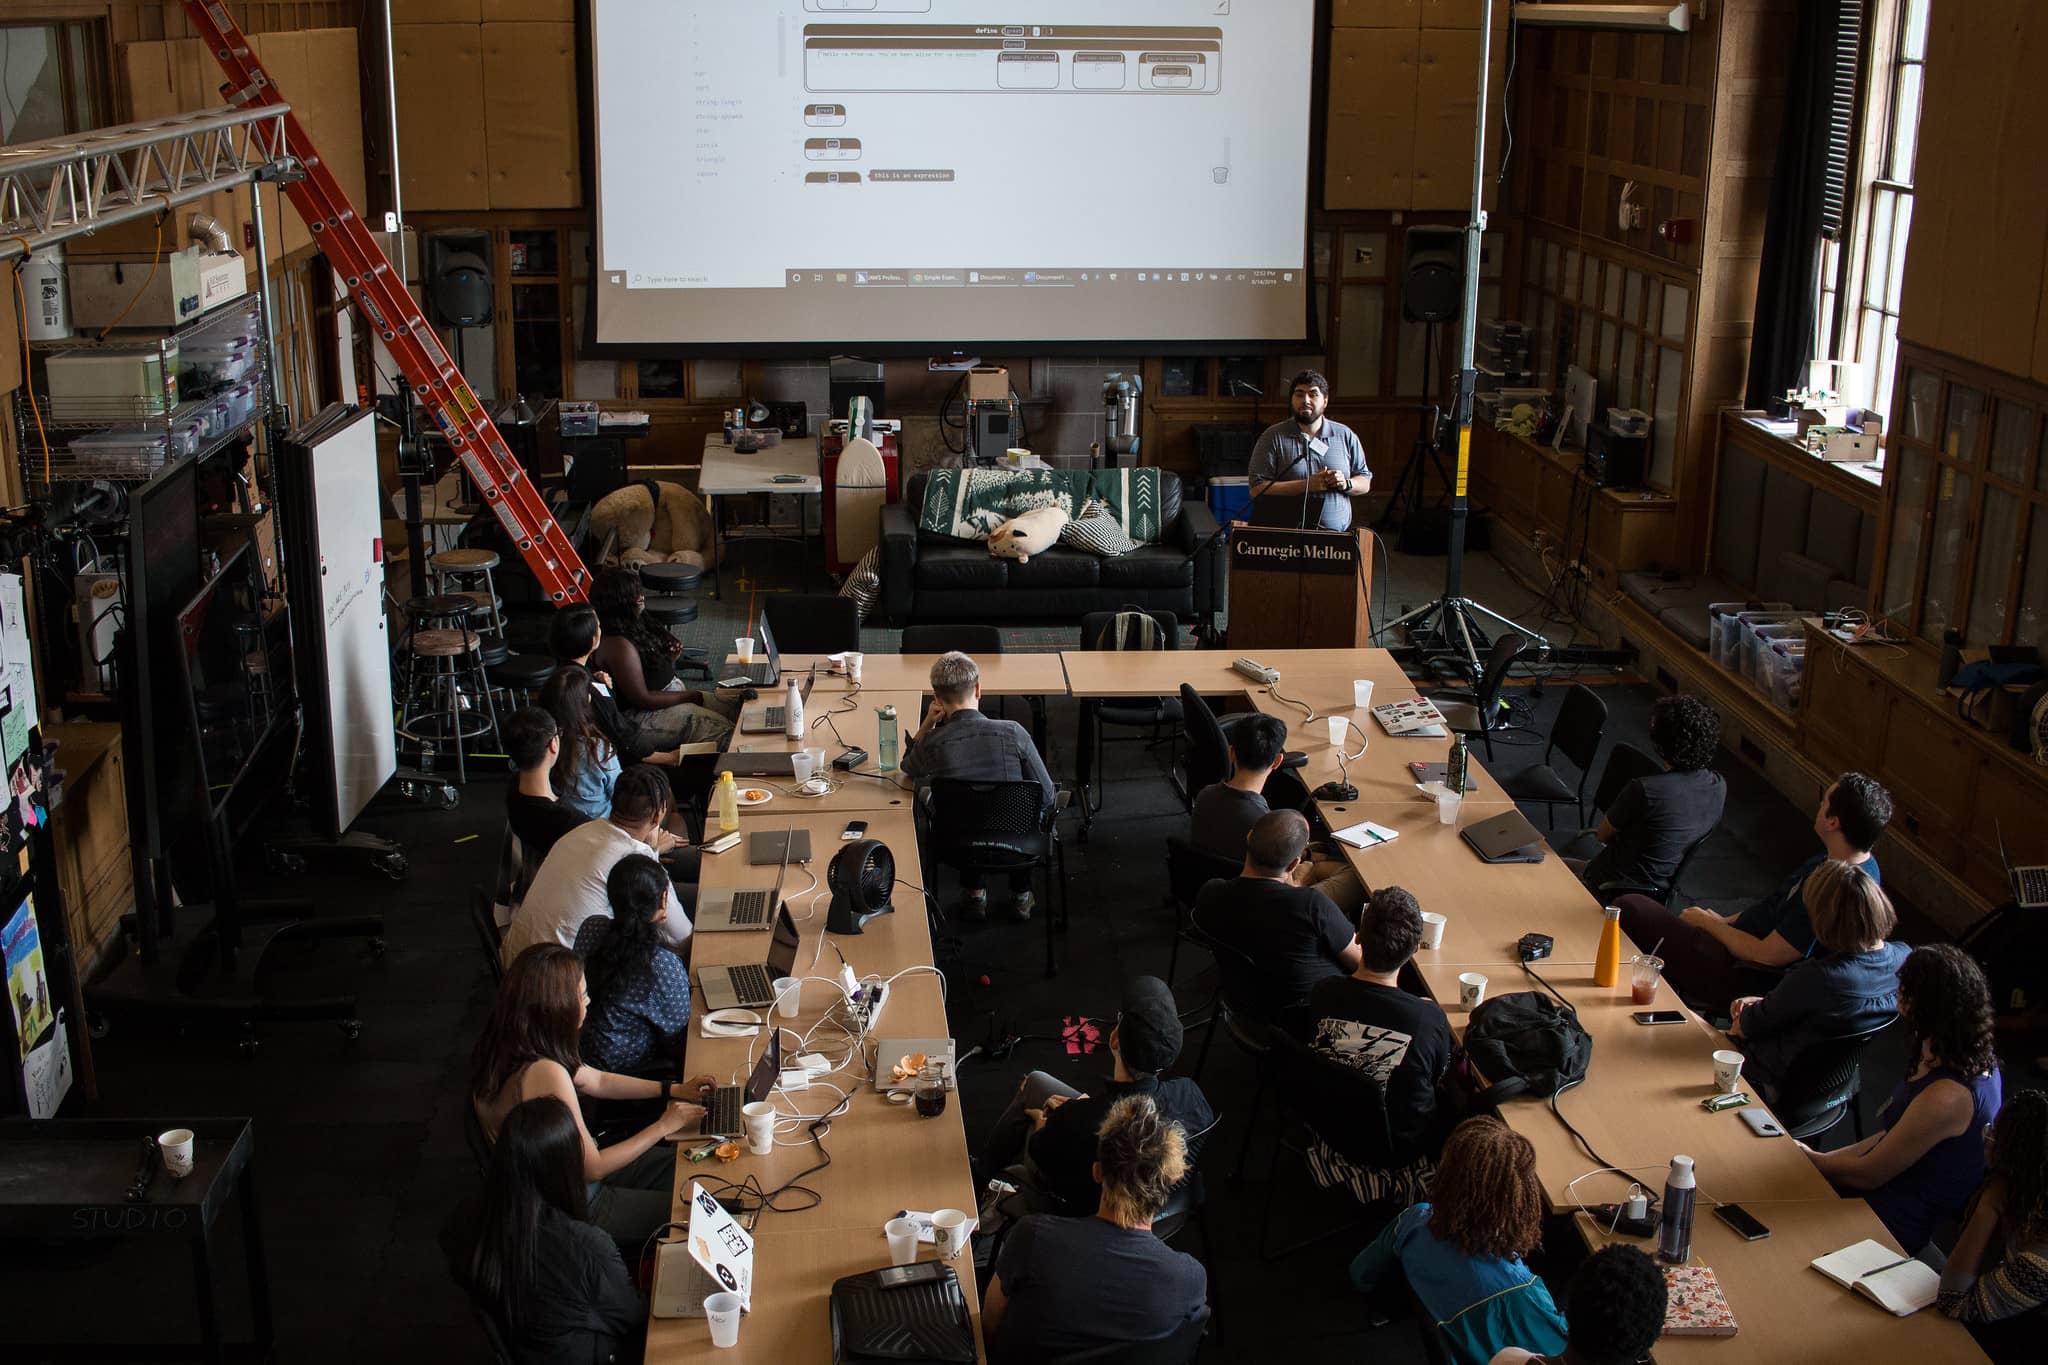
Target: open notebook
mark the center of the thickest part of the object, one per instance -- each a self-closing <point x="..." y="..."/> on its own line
<point x="1899" y="1284"/>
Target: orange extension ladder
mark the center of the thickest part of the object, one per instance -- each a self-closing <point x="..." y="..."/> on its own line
<point x="381" y="293"/>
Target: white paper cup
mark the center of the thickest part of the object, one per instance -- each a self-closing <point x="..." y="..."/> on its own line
<point x="854" y="659"/>
<point x="902" y="1235"/>
<point x="1471" y="989"/>
<point x="1361" y="692"/>
<point x="744" y="647"/>
<point x="950" y="1228"/>
<point x="760" y="1117"/>
<point x="788" y="991"/>
<point x="1432" y="929"/>
<point x="802" y="765"/>
<point x="1727" y="1071"/>
<point x="723" y="1312"/>
<point x="1337" y="724"/>
<point x="1448" y="803"/>
<point x="176" y="1145"/>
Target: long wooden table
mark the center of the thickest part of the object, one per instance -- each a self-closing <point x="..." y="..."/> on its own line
<point x="1002" y="675"/>
<point x="830" y="718"/>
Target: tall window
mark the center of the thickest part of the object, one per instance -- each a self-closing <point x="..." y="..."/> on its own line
<point x="51" y="80"/>
<point x="1861" y="270"/>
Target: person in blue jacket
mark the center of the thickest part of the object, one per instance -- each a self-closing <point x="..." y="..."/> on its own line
<point x="1463" y="1251"/>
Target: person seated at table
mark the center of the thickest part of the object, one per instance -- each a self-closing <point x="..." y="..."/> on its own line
<point x="1052" y="1125"/>
<point x="552" y="1282"/>
<point x="587" y="767"/>
<point x="2007" y="1227"/>
<point x="1614" y="1311"/>
<point x="639" y="657"/>
<point x="1464" y="1251"/>
<point x="958" y="741"/>
<point x="1927" y="1157"/>
<point x="1293" y="936"/>
<point x="570" y="886"/>
<point x="533" y="742"/>
<point x="1708" y="956"/>
<point x="528" y="1050"/>
<point x="1655" y="819"/>
<point x="1224" y="812"/>
<point x="1367" y="1022"/>
<point x="573" y="637"/>
<point x="639" y="989"/>
<point x="1850" y="986"/>
<point x="1064" y="1285"/>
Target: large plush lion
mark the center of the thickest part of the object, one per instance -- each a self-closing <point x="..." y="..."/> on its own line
<point x="675" y="527"/>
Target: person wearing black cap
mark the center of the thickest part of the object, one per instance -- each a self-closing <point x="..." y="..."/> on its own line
<point x="1054" y="1125"/>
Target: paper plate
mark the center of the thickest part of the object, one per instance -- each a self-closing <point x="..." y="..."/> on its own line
<point x="755" y="796"/>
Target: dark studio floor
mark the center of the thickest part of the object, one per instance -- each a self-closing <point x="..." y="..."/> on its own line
<point x="360" y="1147"/>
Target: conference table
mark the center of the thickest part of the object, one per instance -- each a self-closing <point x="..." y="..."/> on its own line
<point x="788" y="467"/>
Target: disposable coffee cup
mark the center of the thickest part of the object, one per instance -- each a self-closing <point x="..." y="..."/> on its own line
<point x="1471" y="989"/>
<point x="788" y="991"/>
<point x="950" y="1228"/>
<point x="1361" y="692"/>
<point x="1448" y="803"/>
<point x="744" y="647"/>
<point x="902" y="1235"/>
<point x="1432" y="929"/>
<point x="176" y="1145"/>
<point x="760" y="1117"/>
<point x="854" y="660"/>
<point x="1336" y="732"/>
<point x="801" y="765"/>
<point x="723" y="1313"/>
<point x="818" y="769"/>
<point x="1727" y="1071"/>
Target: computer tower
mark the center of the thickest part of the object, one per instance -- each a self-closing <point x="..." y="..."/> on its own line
<point x="1614" y="460"/>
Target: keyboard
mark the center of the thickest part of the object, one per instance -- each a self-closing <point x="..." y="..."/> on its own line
<point x="775" y="717"/>
<point x="2030" y="886"/>
<point x="752" y="983"/>
<point x="751" y="907"/>
<point x="722" y="1112"/>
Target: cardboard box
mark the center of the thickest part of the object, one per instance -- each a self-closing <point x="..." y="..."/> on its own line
<point x="539" y="11"/>
<point x="1376" y="13"/>
<point x="442" y="11"/>
<point x="187" y="284"/>
<point x="534" y="145"/>
<point x="441" y="145"/>
<point x="988" y="384"/>
<point x="1371" y="139"/>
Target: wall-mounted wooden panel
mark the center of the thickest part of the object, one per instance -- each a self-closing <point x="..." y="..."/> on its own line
<point x="537" y="11"/>
<point x="1446" y="100"/>
<point x="441" y="144"/>
<point x="1370" y="149"/>
<point x="530" y="127"/>
<point x="1376" y="13"/>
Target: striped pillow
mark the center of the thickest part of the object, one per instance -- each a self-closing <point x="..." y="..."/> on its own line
<point x="864" y="583"/>
<point x="1095" y="531"/>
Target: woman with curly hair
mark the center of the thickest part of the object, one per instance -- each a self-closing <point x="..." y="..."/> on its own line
<point x="2010" y="1217"/>
<point x="640" y="658"/>
<point x="1928" y="1155"/>
<point x="587" y="766"/>
<point x="1463" y="1252"/>
<point x="1652" y="822"/>
<point x="1064" y="1285"/>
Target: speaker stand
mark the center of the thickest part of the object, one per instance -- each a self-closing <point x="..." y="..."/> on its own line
<point x="1406" y="503"/>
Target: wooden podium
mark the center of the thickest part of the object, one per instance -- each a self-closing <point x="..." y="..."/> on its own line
<point x="1294" y="589"/>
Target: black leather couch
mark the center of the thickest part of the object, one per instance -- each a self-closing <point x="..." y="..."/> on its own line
<point x="936" y="578"/>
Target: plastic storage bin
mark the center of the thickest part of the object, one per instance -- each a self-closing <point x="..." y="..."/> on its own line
<point x="212" y="362"/>
<point x="1786" y="661"/>
<point x="1743" y="660"/>
<point x="1725" y="630"/>
<point x="114" y="383"/>
<point x="1759" y="658"/>
<point x="119" y="454"/>
<point x="1229" y="496"/>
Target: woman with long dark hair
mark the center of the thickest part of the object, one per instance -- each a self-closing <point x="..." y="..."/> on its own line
<point x="639" y="989"/>
<point x="2009" y="1224"/>
<point x="587" y="769"/>
<point x="552" y="1282"/>
<point x="639" y="656"/>
<point x="1927" y="1158"/>
<point x="528" y="1051"/>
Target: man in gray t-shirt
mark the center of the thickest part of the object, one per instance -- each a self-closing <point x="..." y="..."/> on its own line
<point x="1311" y="457"/>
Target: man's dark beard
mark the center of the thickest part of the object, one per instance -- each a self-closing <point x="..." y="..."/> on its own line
<point x="1301" y="420"/>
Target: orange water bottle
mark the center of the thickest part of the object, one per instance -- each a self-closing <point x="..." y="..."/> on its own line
<point x="1607" y="962"/>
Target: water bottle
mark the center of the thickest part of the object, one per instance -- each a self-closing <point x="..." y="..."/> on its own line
<point x="1674" y="1233"/>
<point x="728" y="804"/>
<point x="793" y="711"/>
<point x="885" y="746"/>
<point x="1455" y="769"/>
<point x="1607" y="960"/>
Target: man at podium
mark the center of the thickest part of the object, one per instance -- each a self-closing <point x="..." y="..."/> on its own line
<point x="1313" y="467"/>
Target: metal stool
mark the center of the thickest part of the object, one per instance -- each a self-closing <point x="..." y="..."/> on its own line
<point x="520" y="676"/>
<point x="446" y="692"/>
<point x="670" y="600"/>
<point x="468" y="572"/>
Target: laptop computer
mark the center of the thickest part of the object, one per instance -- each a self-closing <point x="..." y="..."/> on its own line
<point x="1508" y="838"/>
<point x="750" y="763"/>
<point x="728" y="909"/>
<point x="767" y="846"/>
<point x="767" y="665"/>
<point x="769" y="718"/>
<point x="751" y="985"/>
<point x="722" y="1106"/>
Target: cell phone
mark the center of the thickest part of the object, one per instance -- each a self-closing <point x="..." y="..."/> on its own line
<point x="854" y="829"/>
<point x="1745" y="1224"/>
<point x="1761" y="1123"/>
<point x="851" y="759"/>
<point x="917" y="1272"/>
<point x="1659" y="1016"/>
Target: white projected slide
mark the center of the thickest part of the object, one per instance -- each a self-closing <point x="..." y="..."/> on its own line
<point x="792" y="172"/>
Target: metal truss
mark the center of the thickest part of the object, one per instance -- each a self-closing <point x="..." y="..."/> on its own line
<point x="53" y="190"/>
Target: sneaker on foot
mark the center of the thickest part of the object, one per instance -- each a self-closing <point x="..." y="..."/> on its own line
<point x="1020" y="907"/>
<point x="973" y="906"/>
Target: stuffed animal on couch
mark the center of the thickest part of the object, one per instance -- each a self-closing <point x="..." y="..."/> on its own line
<point x="1033" y="532"/>
<point x="656" y="522"/>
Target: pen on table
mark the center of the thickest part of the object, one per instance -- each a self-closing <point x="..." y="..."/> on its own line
<point x="1903" y="1260"/>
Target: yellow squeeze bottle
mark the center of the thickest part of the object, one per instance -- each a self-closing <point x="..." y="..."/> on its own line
<point x="1607" y="962"/>
<point x="729" y="805"/>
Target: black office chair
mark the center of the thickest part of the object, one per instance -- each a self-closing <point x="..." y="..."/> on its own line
<point x="996" y="827"/>
<point x="813" y="623"/>
<point x="1625" y="763"/>
<point x="1188" y="870"/>
<point x="1235" y="1009"/>
<point x="942" y="639"/>
<point x="1208" y="758"/>
<point x="1581" y="720"/>
<point x="1821" y="1084"/>
<point x="1478" y="711"/>
<point x="1188" y="1206"/>
<point x="1121" y="630"/>
<point x="1178" y="1347"/>
<point x="1660" y="891"/>
<point x="1321" y="1098"/>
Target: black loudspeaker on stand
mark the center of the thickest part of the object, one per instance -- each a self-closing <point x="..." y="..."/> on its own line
<point x="1432" y="278"/>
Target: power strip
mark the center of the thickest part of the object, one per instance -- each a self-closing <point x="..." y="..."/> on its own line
<point x="1256" y="671"/>
<point x="858" y="1014"/>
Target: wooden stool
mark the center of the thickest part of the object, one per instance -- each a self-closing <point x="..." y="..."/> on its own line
<point x="468" y="573"/>
<point x="447" y="693"/>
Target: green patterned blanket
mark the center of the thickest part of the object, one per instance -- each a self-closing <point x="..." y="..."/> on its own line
<point x="967" y="504"/>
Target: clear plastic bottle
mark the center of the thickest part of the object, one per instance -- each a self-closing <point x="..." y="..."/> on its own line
<point x="793" y="710"/>
<point x="1674" y="1231"/>
<point x="1607" y="961"/>
<point x="885" y="746"/>
<point x="728" y="804"/>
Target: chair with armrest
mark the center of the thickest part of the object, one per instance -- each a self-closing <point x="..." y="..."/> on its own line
<point x="1581" y="719"/>
<point x="996" y="827"/>
<point x="1661" y="891"/>
<point x="1478" y="711"/>
<point x="1188" y="870"/>
<point x="1342" y="1106"/>
<point x="1625" y="763"/>
<point x="1209" y="759"/>
<point x="1820" y="1086"/>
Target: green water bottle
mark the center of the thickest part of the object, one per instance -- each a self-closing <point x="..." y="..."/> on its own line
<point x="885" y="756"/>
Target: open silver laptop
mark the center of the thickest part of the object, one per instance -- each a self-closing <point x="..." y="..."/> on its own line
<point x="751" y="985"/>
<point x="728" y="909"/>
<point x="769" y="717"/>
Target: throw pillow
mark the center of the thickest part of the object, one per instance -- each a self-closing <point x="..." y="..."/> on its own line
<point x="864" y="583"/>
<point x="1096" y="532"/>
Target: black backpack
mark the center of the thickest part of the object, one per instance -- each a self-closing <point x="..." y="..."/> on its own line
<point x="1526" y="1042"/>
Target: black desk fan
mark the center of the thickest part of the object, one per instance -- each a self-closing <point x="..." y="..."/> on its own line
<point x="861" y="876"/>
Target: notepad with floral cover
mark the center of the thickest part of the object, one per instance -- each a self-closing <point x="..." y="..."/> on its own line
<point x="1695" y="1305"/>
